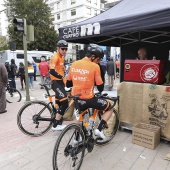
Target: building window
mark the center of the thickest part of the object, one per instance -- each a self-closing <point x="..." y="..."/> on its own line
<point x="58" y="16"/>
<point x="89" y="11"/>
<point x="89" y="1"/>
<point x="73" y="2"/>
<point x="95" y="12"/>
<point x="95" y="2"/>
<point x="58" y="5"/>
<point x="52" y="7"/>
<point x="73" y="21"/>
<point x="73" y="12"/>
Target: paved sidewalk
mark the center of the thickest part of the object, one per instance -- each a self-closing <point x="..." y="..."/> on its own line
<point x="21" y="152"/>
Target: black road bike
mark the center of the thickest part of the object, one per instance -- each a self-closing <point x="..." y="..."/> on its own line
<point x="69" y="149"/>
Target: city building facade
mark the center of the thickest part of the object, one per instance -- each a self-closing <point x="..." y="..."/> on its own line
<point x="67" y="12"/>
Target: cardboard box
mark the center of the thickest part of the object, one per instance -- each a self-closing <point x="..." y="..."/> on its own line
<point x="146" y="135"/>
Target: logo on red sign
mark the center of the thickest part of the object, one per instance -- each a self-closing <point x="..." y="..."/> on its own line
<point x="149" y="73"/>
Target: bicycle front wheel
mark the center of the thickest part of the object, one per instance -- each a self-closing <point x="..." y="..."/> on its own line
<point x="13" y="95"/>
<point x="29" y="118"/>
<point x="69" y="149"/>
<point x="113" y="126"/>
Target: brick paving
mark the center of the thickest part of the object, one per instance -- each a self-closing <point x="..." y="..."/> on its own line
<point x="21" y="152"/>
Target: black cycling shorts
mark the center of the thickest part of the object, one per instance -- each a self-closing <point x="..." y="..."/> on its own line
<point x="95" y="103"/>
<point x="58" y="87"/>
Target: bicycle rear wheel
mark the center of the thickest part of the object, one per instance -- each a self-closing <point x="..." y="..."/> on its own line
<point x="113" y="126"/>
<point x="68" y="154"/>
<point x="13" y="95"/>
<point x="28" y="118"/>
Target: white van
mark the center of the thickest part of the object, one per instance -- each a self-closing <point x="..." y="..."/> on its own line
<point x="18" y="56"/>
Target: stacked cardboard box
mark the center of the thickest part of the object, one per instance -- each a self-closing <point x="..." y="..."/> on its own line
<point x="146" y="135"/>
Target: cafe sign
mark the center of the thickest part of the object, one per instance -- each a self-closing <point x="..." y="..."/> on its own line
<point x="81" y="31"/>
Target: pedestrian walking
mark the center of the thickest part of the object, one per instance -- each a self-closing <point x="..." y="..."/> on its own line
<point x="117" y="67"/>
<point x="35" y="70"/>
<point x="30" y="76"/>
<point x="21" y="74"/>
<point x="44" y="70"/>
<point x="110" y="72"/>
<point x="3" y="82"/>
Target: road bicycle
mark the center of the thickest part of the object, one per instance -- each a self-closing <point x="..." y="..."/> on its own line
<point x="35" y="118"/>
<point x="69" y="149"/>
<point x="12" y="94"/>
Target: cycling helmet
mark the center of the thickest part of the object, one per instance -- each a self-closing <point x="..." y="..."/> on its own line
<point x="94" y="49"/>
<point x="7" y="61"/>
<point x="62" y="43"/>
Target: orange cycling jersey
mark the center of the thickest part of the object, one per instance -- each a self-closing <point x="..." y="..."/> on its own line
<point x="84" y="74"/>
<point x="57" y="63"/>
<point x="117" y="64"/>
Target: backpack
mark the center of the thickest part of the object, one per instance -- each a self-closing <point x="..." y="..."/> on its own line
<point x="8" y="67"/>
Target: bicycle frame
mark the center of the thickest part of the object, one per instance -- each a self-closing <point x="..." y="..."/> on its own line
<point x="50" y="97"/>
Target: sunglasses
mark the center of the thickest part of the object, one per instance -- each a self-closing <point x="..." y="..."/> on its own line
<point x="64" y="49"/>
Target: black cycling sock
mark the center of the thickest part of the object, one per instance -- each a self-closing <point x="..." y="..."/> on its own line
<point x="101" y="125"/>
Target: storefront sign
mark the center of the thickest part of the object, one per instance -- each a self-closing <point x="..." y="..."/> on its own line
<point x="81" y="31"/>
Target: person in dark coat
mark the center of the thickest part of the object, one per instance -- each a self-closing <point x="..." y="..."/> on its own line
<point x="110" y="72"/>
<point x="3" y="82"/>
<point x="21" y="74"/>
<point x="12" y="73"/>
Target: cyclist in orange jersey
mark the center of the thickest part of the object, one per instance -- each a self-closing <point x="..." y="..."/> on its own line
<point x="57" y="69"/>
<point x="82" y="77"/>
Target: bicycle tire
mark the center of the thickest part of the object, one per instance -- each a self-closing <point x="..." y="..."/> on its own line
<point x="25" y="118"/>
<point x="60" y="151"/>
<point x="13" y="95"/>
<point x="109" y="135"/>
